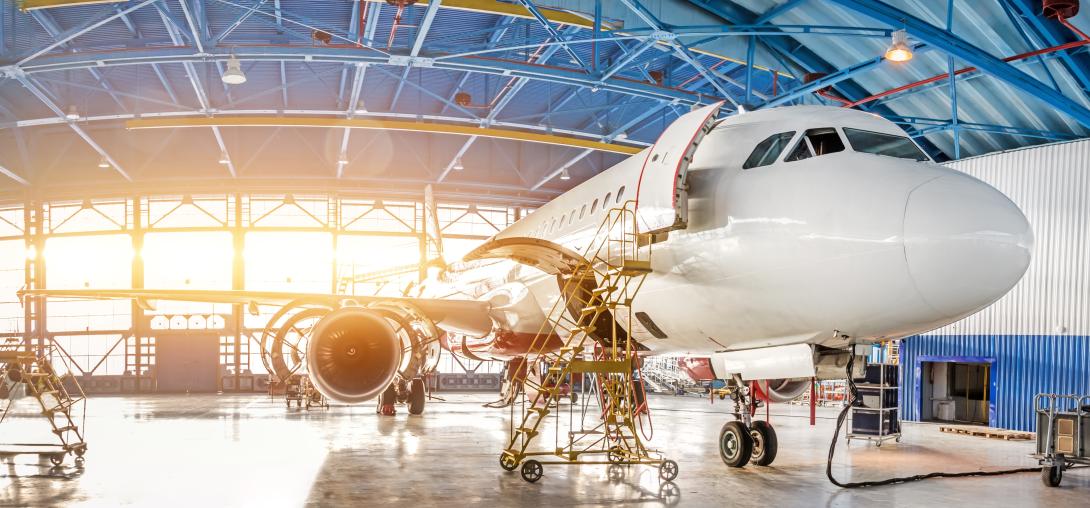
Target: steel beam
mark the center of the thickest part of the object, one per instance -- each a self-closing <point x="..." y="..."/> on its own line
<point x="963" y="50"/>
<point x="37" y="91"/>
<point x="389" y="125"/>
<point x="88" y="26"/>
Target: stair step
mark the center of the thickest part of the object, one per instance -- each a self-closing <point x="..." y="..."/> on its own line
<point x="527" y="431"/>
<point x="66" y="428"/>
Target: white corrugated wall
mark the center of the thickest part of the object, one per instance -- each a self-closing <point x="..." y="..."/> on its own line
<point x="1051" y="184"/>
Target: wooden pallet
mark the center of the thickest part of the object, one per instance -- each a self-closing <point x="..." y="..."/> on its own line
<point x="972" y="430"/>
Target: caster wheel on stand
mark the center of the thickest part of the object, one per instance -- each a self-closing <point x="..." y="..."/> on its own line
<point x="668" y="470"/>
<point x="532" y="471"/>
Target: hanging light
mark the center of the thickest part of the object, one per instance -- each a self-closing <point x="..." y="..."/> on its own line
<point x="342" y="159"/>
<point x="234" y="75"/>
<point x="564" y="174"/>
<point x="361" y="108"/>
<point x="458" y="164"/>
<point x="899" y="50"/>
<point x="224" y="158"/>
<point x="72" y="114"/>
<point x="103" y="163"/>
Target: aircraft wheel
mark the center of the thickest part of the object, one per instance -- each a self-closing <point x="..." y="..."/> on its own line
<point x="735" y="444"/>
<point x="765" y="444"/>
<point x="574" y="397"/>
<point x="416" y="396"/>
<point x="532" y="471"/>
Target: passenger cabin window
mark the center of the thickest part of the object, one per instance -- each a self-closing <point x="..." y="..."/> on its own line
<point x="620" y="194"/>
<point x="820" y="142"/>
<point x="889" y="145"/>
<point x="594" y="206"/>
<point x="582" y="212"/>
<point x="769" y="150"/>
<point x="605" y="202"/>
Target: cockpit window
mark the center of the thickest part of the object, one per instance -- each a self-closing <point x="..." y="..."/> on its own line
<point x="825" y="141"/>
<point x="800" y="152"/>
<point x="769" y="150"/>
<point x="889" y="145"/>
<point x="816" y="142"/>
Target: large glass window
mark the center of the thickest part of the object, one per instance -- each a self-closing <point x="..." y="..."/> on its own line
<point x="768" y="151"/>
<point x="884" y="144"/>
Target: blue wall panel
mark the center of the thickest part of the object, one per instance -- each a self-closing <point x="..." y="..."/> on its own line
<point x="1022" y="366"/>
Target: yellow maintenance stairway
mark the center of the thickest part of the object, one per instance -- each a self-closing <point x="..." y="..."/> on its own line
<point x="603" y="430"/>
<point x="57" y="395"/>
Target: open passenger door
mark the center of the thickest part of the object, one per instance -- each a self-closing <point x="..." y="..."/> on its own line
<point x="661" y="194"/>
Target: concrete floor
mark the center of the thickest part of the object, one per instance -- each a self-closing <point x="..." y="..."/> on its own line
<point x="247" y="450"/>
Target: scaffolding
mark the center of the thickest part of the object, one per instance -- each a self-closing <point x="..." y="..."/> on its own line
<point x="581" y="336"/>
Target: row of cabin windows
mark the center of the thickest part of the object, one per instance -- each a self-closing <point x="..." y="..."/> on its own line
<point x="558" y="223"/>
<point x="826" y="140"/>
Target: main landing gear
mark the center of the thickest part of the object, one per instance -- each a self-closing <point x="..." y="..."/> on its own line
<point x="410" y="392"/>
<point x="746" y="440"/>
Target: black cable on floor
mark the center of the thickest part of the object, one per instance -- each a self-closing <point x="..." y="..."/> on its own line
<point x="854" y="397"/>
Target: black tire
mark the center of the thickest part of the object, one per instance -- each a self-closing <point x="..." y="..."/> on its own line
<point x="416" y="396"/>
<point x="735" y="445"/>
<point x="532" y="471"/>
<point x="574" y="397"/>
<point x="668" y="470"/>
<point x="56" y="459"/>
<point x="388" y="397"/>
<point x="616" y="456"/>
<point x="765" y="444"/>
<point x="1051" y="476"/>
<point x="508" y="463"/>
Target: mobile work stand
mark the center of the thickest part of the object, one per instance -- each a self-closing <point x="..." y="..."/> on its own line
<point x="57" y="396"/>
<point x="1063" y="433"/>
<point x="581" y="336"/>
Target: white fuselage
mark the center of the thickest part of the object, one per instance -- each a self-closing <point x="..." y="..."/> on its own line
<point x="870" y="246"/>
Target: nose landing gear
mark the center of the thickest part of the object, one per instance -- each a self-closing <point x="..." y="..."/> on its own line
<point x="745" y="439"/>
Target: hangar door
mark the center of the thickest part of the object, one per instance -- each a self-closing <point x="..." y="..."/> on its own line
<point x="187" y="363"/>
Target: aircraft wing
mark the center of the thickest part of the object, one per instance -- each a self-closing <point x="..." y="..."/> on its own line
<point x="470" y="317"/>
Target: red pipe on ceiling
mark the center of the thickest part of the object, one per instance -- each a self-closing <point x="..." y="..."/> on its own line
<point x="1021" y="56"/>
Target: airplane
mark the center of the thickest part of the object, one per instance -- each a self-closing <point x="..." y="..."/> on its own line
<point x="783" y="239"/>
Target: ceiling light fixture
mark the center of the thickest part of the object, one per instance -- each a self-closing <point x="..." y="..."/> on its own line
<point x="224" y="158"/>
<point x="899" y="50"/>
<point x="103" y="163"/>
<point x="234" y="75"/>
<point x="564" y="174"/>
<point x="458" y="164"/>
<point x="72" y="114"/>
<point x="342" y="159"/>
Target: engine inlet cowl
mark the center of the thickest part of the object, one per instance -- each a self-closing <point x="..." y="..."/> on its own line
<point x="353" y="355"/>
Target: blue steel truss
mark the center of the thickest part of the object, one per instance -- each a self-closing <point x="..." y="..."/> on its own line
<point x="71" y="77"/>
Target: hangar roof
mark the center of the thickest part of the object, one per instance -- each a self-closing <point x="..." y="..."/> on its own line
<point x="491" y="99"/>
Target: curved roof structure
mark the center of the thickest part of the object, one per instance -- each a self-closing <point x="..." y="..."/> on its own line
<point x="491" y="99"/>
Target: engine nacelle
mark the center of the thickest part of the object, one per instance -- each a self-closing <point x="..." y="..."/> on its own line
<point x="353" y="354"/>
<point x="782" y="390"/>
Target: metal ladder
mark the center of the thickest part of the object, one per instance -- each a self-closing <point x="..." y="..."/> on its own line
<point x="57" y="395"/>
<point x="601" y="285"/>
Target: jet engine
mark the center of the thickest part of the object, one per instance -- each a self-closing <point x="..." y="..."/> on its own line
<point x="782" y="390"/>
<point x="353" y="354"/>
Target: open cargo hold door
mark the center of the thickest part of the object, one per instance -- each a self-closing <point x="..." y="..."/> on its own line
<point x="661" y="194"/>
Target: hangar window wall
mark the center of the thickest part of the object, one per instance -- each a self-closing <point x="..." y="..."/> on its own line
<point x="315" y="243"/>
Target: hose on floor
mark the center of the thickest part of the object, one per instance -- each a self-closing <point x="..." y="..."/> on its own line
<point x="853" y="398"/>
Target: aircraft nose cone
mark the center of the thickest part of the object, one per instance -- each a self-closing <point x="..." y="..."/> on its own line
<point x="966" y="244"/>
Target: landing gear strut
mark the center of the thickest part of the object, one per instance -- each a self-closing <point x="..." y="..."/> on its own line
<point x="744" y="439"/>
